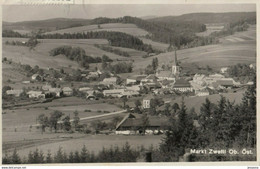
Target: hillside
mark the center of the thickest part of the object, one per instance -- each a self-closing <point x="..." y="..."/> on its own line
<point x="209" y="17"/>
<point x="237" y="48"/>
<point x="48" y="24"/>
<point x="114" y="27"/>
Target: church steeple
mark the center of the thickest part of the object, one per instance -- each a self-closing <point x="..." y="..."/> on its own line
<point x="175" y="65"/>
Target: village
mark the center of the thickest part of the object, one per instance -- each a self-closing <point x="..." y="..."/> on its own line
<point x="159" y="89"/>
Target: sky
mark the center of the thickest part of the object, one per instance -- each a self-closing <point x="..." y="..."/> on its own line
<point x="16" y="13"/>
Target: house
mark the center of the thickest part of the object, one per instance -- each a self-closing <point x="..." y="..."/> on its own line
<point x="46" y="87"/>
<point x="252" y="65"/>
<point x="147" y="101"/>
<point x="129" y="93"/>
<point x="135" y="88"/>
<point x="93" y="75"/>
<point x="133" y="124"/>
<point x="113" y="92"/>
<point x="36" y="77"/>
<point x="165" y="75"/>
<point x="67" y="91"/>
<point x="149" y="79"/>
<point x="84" y="89"/>
<point x="110" y="81"/>
<point x="204" y="92"/>
<point x="182" y="85"/>
<point x="223" y="69"/>
<point x="223" y="84"/>
<point x="130" y="81"/>
<point x="35" y="94"/>
<point x="138" y="78"/>
<point x="166" y="83"/>
<point x="56" y="91"/>
<point x="15" y="93"/>
<point x="199" y="79"/>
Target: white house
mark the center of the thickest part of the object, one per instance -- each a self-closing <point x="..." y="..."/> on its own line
<point x="67" y="91"/>
<point x="223" y="69"/>
<point x="35" y="94"/>
<point x="15" y="93"/>
<point x="36" y="77"/>
<point x="113" y="92"/>
<point x="110" y="81"/>
<point x="147" y="101"/>
<point x="130" y="81"/>
<point x="56" y="91"/>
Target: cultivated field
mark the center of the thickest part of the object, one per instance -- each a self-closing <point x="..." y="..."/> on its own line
<point x="216" y="56"/>
<point x="22" y="118"/>
<point x="156" y="45"/>
<point x="40" y="55"/>
<point x="131" y="29"/>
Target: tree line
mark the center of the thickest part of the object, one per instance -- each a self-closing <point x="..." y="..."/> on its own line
<point x="118" y="39"/>
<point x="76" y="54"/>
<point x="113" y="154"/>
<point x="112" y="50"/>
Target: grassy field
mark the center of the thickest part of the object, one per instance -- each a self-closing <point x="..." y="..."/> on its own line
<point x="13" y="73"/>
<point x="216" y="56"/>
<point x="95" y="143"/>
<point x="116" y="27"/>
<point x="40" y="55"/>
<point x="25" y="116"/>
<point x="156" y="45"/>
<point x="197" y="101"/>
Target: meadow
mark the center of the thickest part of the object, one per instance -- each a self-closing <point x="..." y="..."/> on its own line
<point x="95" y="143"/>
<point x="216" y="56"/>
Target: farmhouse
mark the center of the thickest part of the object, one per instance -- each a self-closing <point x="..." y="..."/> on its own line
<point x="36" y="77"/>
<point x="67" y="91"/>
<point x="204" y="92"/>
<point x="55" y="91"/>
<point x="133" y="124"/>
<point x="223" y="84"/>
<point x="164" y="75"/>
<point x="84" y="89"/>
<point x="110" y="81"/>
<point x="223" y="69"/>
<point x="147" y="101"/>
<point x="15" y="93"/>
<point x="130" y="81"/>
<point x="182" y="85"/>
<point x="46" y="87"/>
<point x="35" y="94"/>
<point x="113" y="92"/>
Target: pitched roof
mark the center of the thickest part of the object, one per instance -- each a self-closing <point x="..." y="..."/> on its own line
<point x="225" y="82"/>
<point x="67" y="89"/>
<point x="148" y="97"/>
<point x="165" y="73"/>
<point x="181" y="83"/>
<point x="131" y="120"/>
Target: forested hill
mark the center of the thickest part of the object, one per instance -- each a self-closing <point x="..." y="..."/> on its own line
<point x="204" y="18"/>
<point x="47" y="25"/>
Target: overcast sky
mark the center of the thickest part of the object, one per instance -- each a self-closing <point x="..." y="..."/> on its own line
<point x="15" y="13"/>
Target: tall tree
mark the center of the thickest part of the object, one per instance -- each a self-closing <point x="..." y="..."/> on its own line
<point x="54" y="118"/>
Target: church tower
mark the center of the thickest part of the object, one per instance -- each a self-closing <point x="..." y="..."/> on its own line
<point x="175" y="66"/>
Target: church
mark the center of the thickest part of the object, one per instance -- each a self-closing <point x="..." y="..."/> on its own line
<point x="172" y="74"/>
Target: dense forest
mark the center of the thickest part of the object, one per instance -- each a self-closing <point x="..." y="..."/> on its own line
<point x="178" y="33"/>
<point x="76" y="54"/>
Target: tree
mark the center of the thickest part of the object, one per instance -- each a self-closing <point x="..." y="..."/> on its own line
<point x="175" y="107"/>
<point x="43" y="120"/>
<point x="155" y="63"/>
<point x="145" y="122"/>
<point x="138" y="105"/>
<point x="49" y="158"/>
<point x="76" y="120"/>
<point x="84" y="155"/>
<point x="15" y="157"/>
<point x="124" y="100"/>
<point x="54" y="118"/>
<point x="66" y="123"/>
